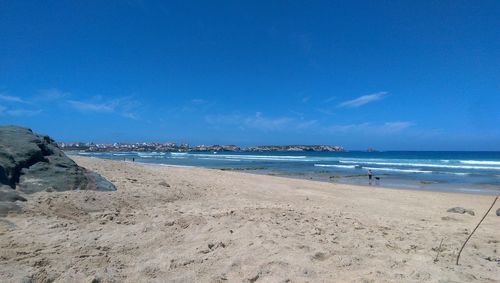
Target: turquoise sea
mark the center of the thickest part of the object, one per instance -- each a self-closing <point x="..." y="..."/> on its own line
<point x="472" y="172"/>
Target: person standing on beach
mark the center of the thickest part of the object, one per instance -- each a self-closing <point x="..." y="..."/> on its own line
<point x="370" y="175"/>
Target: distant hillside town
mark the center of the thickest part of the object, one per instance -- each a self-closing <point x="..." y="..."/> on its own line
<point x="173" y="147"/>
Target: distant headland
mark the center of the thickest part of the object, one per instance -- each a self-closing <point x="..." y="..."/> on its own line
<point x="173" y="147"/>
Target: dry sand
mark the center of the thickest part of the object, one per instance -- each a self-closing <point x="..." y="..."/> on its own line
<point x="169" y="224"/>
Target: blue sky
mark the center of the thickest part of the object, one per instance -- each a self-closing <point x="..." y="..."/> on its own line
<point x="410" y="75"/>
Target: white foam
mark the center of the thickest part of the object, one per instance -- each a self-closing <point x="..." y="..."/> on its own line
<point x="398" y="170"/>
<point x="150" y="154"/>
<point x="336" y="166"/>
<point x="179" y="153"/>
<point x="255" y="157"/>
<point x="219" y="159"/>
<point x="422" y="165"/>
<point x="480" y="162"/>
<point x="456" y="173"/>
<point x="92" y="153"/>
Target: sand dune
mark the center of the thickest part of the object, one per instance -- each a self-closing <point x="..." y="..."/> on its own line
<point x="171" y="224"/>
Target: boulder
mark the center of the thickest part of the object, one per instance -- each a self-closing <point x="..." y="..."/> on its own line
<point x="498" y="212"/>
<point x="32" y="163"/>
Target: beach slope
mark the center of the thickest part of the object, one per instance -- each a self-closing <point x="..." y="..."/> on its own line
<point x="199" y="225"/>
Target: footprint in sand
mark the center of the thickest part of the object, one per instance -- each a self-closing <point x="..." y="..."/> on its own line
<point x="319" y="256"/>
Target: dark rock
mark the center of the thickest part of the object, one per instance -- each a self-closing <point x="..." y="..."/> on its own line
<point x="32" y="163"/>
<point x="498" y="212"/>
<point x="98" y="182"/>
<point x="457" y="209"/>
<point x="164" y="184"/>
<point x="461" y="210"/>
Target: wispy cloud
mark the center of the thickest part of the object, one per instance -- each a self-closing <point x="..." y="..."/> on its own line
<point x="23" y="112"/>
<point x="325" y="111"/>
<point x="125" y="106"/>
<point x="259" y="121"/>
<point x="397" y="126"/>
<point x="372" y="128"/>
<point x="128" y="107"/>
<point x="362" y="100"/>
<point x="52" y="94"/>
<point x="10" y="98"/>
<point x="305" y="99"/>
<point x="198" y="101"/>
<point x="92" y="107"/>
<point x="266" y="123"/>
<point x="330" y="99"/>
<point x="197" y="105"/>
<point x="4" y="111"/>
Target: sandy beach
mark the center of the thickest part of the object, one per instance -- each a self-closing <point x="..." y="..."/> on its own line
<point x="173" y="224"/>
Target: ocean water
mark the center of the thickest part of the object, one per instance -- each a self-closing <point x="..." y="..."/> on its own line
<point x="472" y="172"/>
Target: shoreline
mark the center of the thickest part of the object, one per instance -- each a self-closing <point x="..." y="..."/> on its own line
<point x="427" y="171"/>
<point x="298" y="176"/>
<point x="193" y="224"/>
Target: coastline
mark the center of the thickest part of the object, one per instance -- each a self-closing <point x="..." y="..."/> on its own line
<point x="183" y="224"/>
<point x="304" y="177"/>
<point x="299" y="176"/>
<point x="463" y="172"/>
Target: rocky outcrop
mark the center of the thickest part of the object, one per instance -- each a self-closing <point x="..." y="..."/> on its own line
<point x="32" y="163"/>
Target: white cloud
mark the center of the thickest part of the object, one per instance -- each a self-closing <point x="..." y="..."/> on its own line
<point x="305" y="99"/>
<point x="4" y="111"/>
<point x="260" y="122"/>
<point x="265" y="123"/>
<point x="128" y="107"/>
<point x="197" y="105"/>
<point x="198" y="101"/>
<point x="124" y="106"/>
<point x="330" y="99"/>
<point x="91" y="107"/>
<point x="52" y="94"/>
<point x="290" y="124"/>
<point x="23" y="112"/>
<point x="362" y="100"/>
<point x="397" y="126"/>
<point x="9" y="98"/>
<point x="325" y="111"/>
<point x="372" y="128"/>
